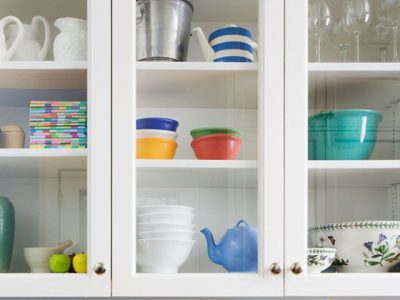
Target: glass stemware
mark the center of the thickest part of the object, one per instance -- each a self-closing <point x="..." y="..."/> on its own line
<point x="357" y="15"/>
<point x="391" y="15"/>
<point x="319" y="21"/>
<point x="341" y="38"/>
<point x="381" y="39"/>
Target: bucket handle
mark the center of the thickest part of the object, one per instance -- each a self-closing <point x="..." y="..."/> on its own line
<point x="139" y="18"/>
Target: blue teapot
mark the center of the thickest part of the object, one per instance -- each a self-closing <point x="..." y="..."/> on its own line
<point x="238" y="249"/>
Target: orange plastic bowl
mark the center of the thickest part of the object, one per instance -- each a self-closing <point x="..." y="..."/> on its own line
<point x="217" y="147"/>
<point x="155" y="148"/>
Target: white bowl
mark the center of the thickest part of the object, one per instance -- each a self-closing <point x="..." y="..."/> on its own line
<point x="165" y="235"/>
<point x="320" y="259"/>
<point x="153" y="133"/>
<point x="38" y="258"/>
<point x="166" y="218"/>
<point x="147" y="227"/>
<point x="148" y="209"/>
<point x="162" y="256"/>
<point x="357" y="243"/>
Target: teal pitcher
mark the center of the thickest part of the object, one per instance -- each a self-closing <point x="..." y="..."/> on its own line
<point x="7" y="229"/>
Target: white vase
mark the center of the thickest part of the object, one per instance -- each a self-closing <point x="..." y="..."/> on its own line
<point x="30" y="49"/>
<point x="71" y="43"/>
<point x="7" y="52"/>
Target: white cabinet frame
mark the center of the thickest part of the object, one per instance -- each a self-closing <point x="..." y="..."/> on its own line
<point x="99" y="178"/>
<point x="126" y="282"/>
<point x="296" y="190"/>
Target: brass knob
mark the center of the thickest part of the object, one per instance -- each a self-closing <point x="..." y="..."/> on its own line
<point x="99" y="268"/>
<point x="296" y="268"/>
<point x="275" y="268"/>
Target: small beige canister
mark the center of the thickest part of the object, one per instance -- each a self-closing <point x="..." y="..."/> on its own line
<point x="11" y="136"/>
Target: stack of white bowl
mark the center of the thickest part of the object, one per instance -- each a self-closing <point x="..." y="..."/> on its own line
<point x="164" y="237"/>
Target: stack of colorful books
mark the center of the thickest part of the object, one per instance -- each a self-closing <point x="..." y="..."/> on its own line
<point x="58" y="124"/>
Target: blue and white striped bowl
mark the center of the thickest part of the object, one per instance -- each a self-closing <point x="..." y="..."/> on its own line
<point x="232" y="44"/>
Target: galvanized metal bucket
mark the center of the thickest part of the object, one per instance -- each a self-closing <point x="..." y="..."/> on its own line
<point x="163" y="29"/>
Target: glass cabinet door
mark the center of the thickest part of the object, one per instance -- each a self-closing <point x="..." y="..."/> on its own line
<point x="55" y="159"/>
<point x="198" y="148"/>
<point x="342" y="170"/>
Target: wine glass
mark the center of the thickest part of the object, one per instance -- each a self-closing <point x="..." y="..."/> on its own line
<point x="319" y="21"/>
<point x="381" y="39"/>
<point x="341" y="38"/>
<point x="391" y="16"/>
<point x="357" y="15"/>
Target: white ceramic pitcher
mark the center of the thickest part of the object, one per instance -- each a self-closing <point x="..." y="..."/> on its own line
<point x="30" y="48"/>
<point x="71" y="43"/>
<point x="7" y="52"/>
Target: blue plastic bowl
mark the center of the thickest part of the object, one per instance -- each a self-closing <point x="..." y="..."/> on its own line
<point x="343" y="134"/>
<point x="157" y="123"/>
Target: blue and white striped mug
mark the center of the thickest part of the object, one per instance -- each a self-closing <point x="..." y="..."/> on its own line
<point x="227" y="44"/>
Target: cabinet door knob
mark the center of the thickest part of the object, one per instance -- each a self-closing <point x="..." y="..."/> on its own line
<point x="99" y="268"/>
<point x="296" y="268"/>
<point x="275" y="268"/>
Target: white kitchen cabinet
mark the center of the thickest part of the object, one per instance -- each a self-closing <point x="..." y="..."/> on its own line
<point x="247" y="96"/>
<point x="60" y="194"/>
<point x="335" y="191"/>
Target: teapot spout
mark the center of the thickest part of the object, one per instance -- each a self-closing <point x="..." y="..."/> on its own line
<point x="207" y="50"/>
<point x="212" y="249"/>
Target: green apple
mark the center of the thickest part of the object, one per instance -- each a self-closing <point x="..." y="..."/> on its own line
<point x="59" y="263"/>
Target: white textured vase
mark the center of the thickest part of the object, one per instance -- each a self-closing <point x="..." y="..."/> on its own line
<point x="71" y="43"/>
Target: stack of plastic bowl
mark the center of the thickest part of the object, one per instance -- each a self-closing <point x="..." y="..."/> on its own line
<point x="164" y="237"/>
<point x="156" y="138"/>
<point x="216" y="143"/>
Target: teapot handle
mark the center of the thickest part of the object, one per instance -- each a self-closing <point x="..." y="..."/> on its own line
<point x="46" y="44"/>
<point x="242" y="222"/>
<point x="11" y="19"/>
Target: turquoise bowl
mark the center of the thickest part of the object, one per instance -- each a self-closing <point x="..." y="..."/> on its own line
<point x="343" y="134"/>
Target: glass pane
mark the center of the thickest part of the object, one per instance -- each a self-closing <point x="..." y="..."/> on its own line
<point x="353" y="30"/>
<point x="43" y="139"/>
<point x="212" y="175"/>
<point x="353" y="137"/>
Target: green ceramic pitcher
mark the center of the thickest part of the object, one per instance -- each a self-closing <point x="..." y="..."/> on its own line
<point x="7" y="229"/>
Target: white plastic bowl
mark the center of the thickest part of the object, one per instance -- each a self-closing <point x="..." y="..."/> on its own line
<point x="149" y="209"/>
<point x="148" y="227"/>
<point x="165" y="235"/>
<point x="153" y="133"/>
<point x="162" y="256"/>
<point x="166" y="218"/>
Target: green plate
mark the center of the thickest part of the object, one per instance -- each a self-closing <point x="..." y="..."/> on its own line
<point x="199" y="132"/>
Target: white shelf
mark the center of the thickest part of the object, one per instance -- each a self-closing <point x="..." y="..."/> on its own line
<point x="359" y="70"/>
<point x="195" y="164"/>
<point x="354" y="164"/>
<point x="197" y="84"/>
<point x="42" y="153"/>
<point x="195" y="66"/>
<point x="43" y="75"/>
<point x="197" y="173"/>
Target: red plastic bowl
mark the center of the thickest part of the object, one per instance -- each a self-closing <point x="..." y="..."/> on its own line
<point x="217" y="147"/>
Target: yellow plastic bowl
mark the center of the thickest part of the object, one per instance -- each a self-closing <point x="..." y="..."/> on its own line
<point x="155" y="148"/>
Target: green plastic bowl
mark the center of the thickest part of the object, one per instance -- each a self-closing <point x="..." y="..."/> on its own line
<point x="199" y="132"/>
